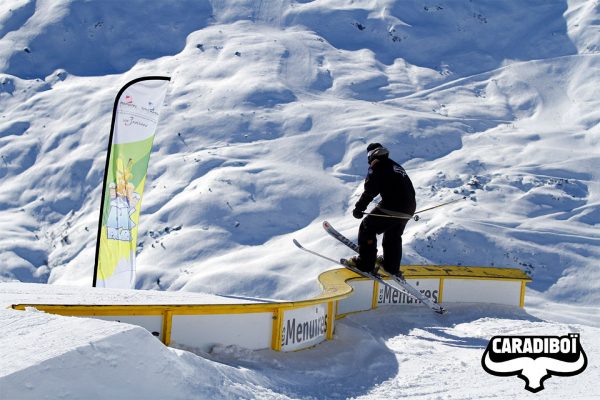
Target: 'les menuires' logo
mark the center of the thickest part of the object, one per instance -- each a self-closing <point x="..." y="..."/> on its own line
<point x="534" y="358"/>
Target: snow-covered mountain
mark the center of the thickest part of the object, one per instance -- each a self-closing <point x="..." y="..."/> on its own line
<point x="266" y="123"/>
<point x="263" y="135"/>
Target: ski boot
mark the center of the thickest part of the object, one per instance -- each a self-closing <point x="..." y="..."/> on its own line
<point x="354" y="261"/>
<point x="351" y="262"/>
<point x="398" y="275"/>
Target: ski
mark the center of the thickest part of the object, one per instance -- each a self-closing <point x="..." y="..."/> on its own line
<point x="375" y="277"/>
<point x="331" y="230"/>
<point x="404" y="287"/>
<point x="408" y="288"/>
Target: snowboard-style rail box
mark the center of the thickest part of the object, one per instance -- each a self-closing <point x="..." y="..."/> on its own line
<point x="290" y="326"/>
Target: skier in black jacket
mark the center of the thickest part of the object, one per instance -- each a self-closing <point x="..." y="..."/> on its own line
<point x="388" y="179"/>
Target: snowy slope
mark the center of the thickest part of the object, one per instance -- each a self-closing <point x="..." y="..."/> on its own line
<point x="263" y="136"/>
<point x="265" y="126"/>
<point x="389" y="353"/>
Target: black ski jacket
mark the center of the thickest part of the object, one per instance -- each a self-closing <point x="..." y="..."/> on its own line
<point x="388" y="178"/>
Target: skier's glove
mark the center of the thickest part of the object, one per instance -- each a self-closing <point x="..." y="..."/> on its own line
<point x="356" y="213"/>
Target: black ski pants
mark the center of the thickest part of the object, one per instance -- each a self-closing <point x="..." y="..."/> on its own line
<point x="392" y="229"/>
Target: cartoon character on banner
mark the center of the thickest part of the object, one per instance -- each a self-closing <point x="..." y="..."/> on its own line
<point x="123" y="202"/>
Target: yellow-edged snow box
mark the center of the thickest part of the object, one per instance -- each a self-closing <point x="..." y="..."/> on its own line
<point x="289" y="326"/>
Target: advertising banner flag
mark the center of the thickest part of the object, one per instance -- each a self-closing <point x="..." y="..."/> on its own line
<point x="134" y="121"/>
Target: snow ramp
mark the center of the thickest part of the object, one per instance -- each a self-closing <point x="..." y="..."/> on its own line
<point x="77" y="358"/>
<point x="290" y="326"/>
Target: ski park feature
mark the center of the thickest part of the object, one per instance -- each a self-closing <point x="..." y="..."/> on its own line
<point x="401" y="285"/>
<point x="170" y="271"/>
<point x="301" y="324"/>
<point x="290" y="326"/>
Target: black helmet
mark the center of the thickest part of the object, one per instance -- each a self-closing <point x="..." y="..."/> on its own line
<point x="375" y="151"/>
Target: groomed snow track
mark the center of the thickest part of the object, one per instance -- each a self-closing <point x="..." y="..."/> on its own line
<point x="289" y="326"/>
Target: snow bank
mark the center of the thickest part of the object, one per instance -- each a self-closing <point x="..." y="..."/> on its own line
<point x="391" y="352"/>
<point x="75" y="358"/>
<point x="32" y="293"/>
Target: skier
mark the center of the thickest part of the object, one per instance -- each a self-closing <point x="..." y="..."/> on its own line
<point x="388" y="179"/>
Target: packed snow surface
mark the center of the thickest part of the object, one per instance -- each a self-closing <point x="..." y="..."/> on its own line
<point x="389" y="353"/>
<point x="262" y="136"/>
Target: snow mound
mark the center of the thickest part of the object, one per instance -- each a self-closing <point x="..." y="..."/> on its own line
<point x="79" y="358"/>
<point x="388" y="353"/>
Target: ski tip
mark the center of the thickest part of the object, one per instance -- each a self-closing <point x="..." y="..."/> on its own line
<point x="326" y="224"/>
<point x="441" y="311"/>
<point x="297" y="243"/>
